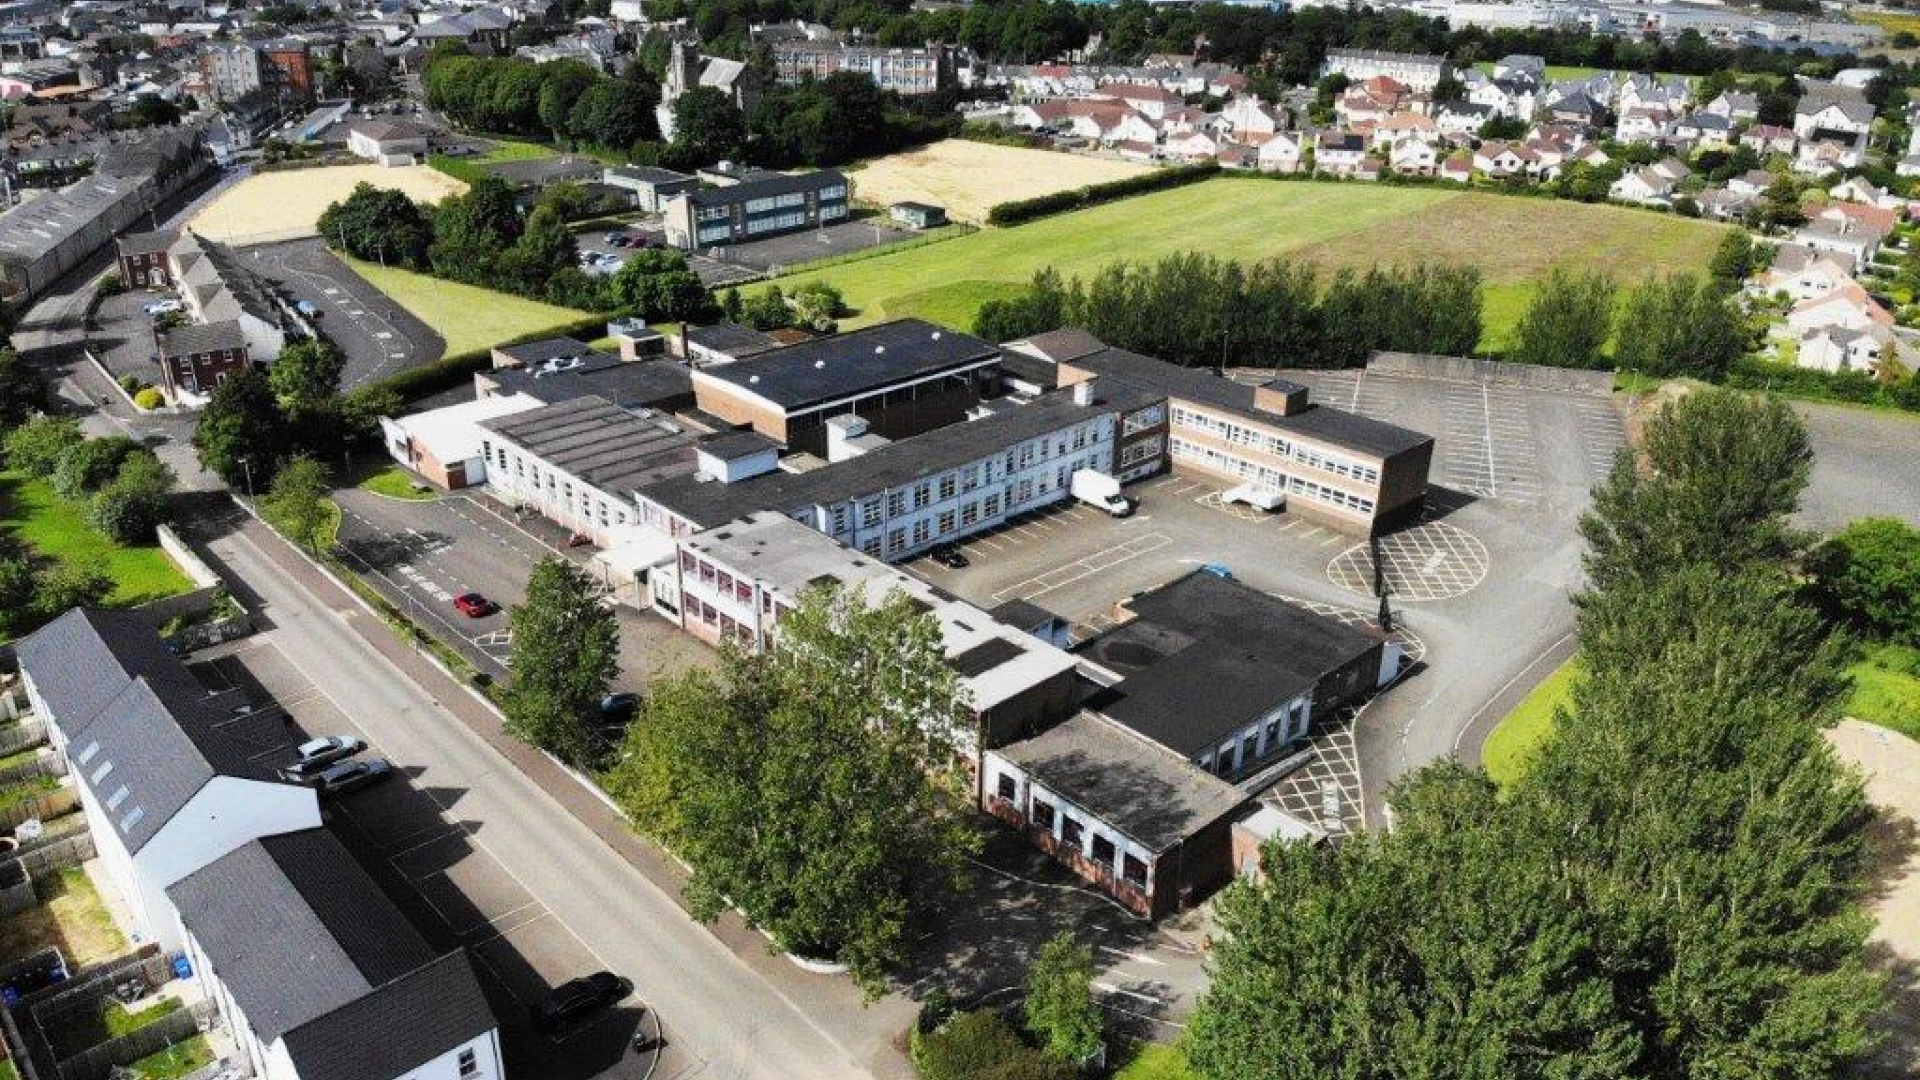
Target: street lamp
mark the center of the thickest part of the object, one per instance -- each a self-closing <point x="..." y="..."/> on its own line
<point x="246" y="464"/>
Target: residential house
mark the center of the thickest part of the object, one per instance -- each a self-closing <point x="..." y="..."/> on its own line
<point x="1647" y="186"/>
<point x="1498" y="159"/>
<point x="1248" y="115"/>
<point x="1841" y="349"/>
<point x="1752" y="183"/>
<point x="1764" y="139"/>
<point x="1521" y="66"/>
<point x="1805" y="273"/>
<point x="1406" y="125"/>
<point x="1859" y="189"/>
<point x="1707" y="131"/>
<point x="1413" y="156"/>
<point x="143" y="259"/>
<point x="1462" y="119"/>
<point x="1339" y="153"/>
<point x="1643" y="124"/>
<point x="216" y="286"/>
<point x="1738" y="106"/>
<point x="1819" y="157"/>
<point x="1152" y="102"/>
<point x="1848" y="307"/>
<point x="170" y="777"/>
<point x="1282" y="152"/>
<point x="1415" y="71"/>
<point x="194" y="358"/>
<point x="1828" y="112"/>
<point x="1844" y="234"/>
<point x="1578" y="109"/>
<point x="1458" y="167"/>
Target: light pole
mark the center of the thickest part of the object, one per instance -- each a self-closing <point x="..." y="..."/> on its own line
<point x="246" y="465"/>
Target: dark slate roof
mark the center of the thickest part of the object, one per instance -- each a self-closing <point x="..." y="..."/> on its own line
<point x="1150" y="795"/>
<point x="815" y="372"/>
<point x="249" y="289"/>
<point x="1064" y="344"/>
<point x="295" y="929"/>
<point x="649" y="174"/>
<point x="733" y="445"/>
<point x="191" y="338"/>
<point x="396" y="1028"/>
<point x="639" y="384"/>
<point x="600" y="443"/>
<point x="1344" y="430"/>
<point x="731" y="339"/>
<point x="765" y="186"/>
<point x="145" y="243"/>
<point x="1202" y="638"/>
<point x="710" y="502"/>
<point x="84" y="659"/>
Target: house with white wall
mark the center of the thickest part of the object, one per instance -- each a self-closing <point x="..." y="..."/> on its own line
<point x="319" y="976"/>
<point x="170" y="777"/>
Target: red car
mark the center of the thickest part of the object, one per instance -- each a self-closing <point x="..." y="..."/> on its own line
<point x="474" y="606"/>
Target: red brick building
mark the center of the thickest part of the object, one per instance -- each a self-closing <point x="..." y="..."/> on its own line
<point x="193" y="359"/>
<point x="143" y="260"/>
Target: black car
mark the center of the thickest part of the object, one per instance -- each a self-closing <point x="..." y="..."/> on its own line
<point x="949" y="556"/>
<point x="577" y="999"/>
<point x="353" y="775"/>
<point x="619" y="708"/>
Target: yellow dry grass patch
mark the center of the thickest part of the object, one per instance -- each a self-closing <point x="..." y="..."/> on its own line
<point x="970" y="178"/>
<point x="285" y="205"/>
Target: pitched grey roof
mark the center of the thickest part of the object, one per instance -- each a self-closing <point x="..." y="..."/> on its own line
<point x="190" y="338"/>
<point x="602" y="444"/>
<point x="84" y="659"/>
<point x="399" y="1026"/>
<point x="764" y="187"/>
<point x="295" y="929"/>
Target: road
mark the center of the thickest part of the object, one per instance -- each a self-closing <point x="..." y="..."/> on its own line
<point x="729" y="1016"/>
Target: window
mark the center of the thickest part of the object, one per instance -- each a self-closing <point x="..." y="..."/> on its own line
<point x="1071" y="831"/>
<point x="1008" y="787"/>
<point x="947" y="486"/>
<point x="1103" y="851"/>
<point x="469" y="1063"/>
<point x="970" y="513"/>
<point x="896" y="503"/>
<point x="1041" y="815"/>
<point x="870" y="514"/>
<point x="896" y="540"/>
<point x="946" y="522"/>
<point x="921" y="530"/>
<point x="921" y="493"/>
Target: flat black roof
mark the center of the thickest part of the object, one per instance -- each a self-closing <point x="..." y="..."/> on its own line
<point x="732" y="445"/>
<point x="1328" y="425"/>
<point x="731" y="339"/>
<point x="637" y="384"/>
<point x="600" y="443"/>
<point x="711" y="502"/>
<point x="541" y="349"/>
<point x="764" y="186"/>
<point x="1202" y="638"/>
<point x="813" y="373"/>
<point x="650" y="174"/>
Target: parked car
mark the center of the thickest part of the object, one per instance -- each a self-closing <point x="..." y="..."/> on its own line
<point x="162" y="307"/>
<point x="352" y="775"/>
<point x="314" y="756"/>
<point x="575" y="1000"/>
<point x="474" y="606"/>
<point x="620" y="707"/>
<point x="308" y="308"/>
<point x="614" y="238"/>
<point x="575" y="540"/>
<point x="949" y="556"/>
<point x="1218" y="570"/>
<point x="1258" y="496"/>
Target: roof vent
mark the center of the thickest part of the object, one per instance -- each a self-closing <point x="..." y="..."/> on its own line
<point x="818" y="364"/>
<point x="753" y="378"/>
<point x="936" y="335"/>
<point x="878" y="349"/>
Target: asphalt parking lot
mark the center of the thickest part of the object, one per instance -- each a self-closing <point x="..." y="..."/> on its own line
<point x="1863" y="466"/>
<point x="122" y="334"/>
<point x="378" y="336"/>
<point x="714" y="272"/>
<point x="408" y="834"/>
<point x="423" y="554"/>
<point x="1479" y="584"/>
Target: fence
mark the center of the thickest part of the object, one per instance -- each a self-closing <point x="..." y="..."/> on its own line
<point x="17" y="737"/>
<point x="16" y="889"/>
<point x="52" y="804"/>
<point x="44" y="765"/>
<point x="59" y="853"/>
<point x="98" y="1062"/>
<point x="1492" y="372"/>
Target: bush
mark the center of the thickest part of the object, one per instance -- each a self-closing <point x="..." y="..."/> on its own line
<point x="36" y="446"/>
<point x="111" y="285"/>
<point x="1853" y="387"/>
<point x="85" y="467"/>
<point x="1024" y="210"/>
<point x="130" y="383"/>
<point x="982" y="1045"/>
<point x="149" y="397"/>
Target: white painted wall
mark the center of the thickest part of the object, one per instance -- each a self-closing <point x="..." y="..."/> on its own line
<point x="225" y="814"/>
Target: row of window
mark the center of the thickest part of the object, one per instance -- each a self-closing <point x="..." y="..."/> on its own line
<point x="1238" y="755"/>
<point x="1219" y="461"/>
<point x="1073" y="832"/>
<point x="1256" y="439"/>
<point x="589" y="504"/>
<point x="775" y="202"/>
<point x="1151" y="416"/>
<point x="1145" y="450"/>
<point x="876" y="509"/>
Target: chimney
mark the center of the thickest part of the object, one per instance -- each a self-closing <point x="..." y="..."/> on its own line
<point x="1083" y="390"/>
<point x="1280" y="397"/>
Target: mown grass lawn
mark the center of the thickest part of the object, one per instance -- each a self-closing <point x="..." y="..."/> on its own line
<point x="395" y="482"/>
<point x="1511" y="744"/>
<point x="59" y="530"/>
<point x="70" y="915"/>
<point x="467" y="316"/>
<point x="1156" y="1061"/>
<point x="1512" y="239"/>
<point x="180" y="1059"/>
<point x="1886" y="688"/>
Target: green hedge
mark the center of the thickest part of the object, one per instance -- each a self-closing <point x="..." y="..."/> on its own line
<point x="1851" y="387"/>
<point x="458" y="168"/>
<point x="450" y="371"/>
<point x="1024" y="210"/>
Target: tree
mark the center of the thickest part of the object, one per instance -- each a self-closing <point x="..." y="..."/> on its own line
<point x="241" y="435"/>
<point x="1568" y="322"/>
<point x="853" y="798"/>
<point x="21" y="392"/>
<point x="609" y="113"/>
<point x="378" y="224"/>
<point x="151" y="110"/>
<point x="63" y="586"/>
<point x="707" y="126"/>
<point x="1733" y="260"/>
<point x="566" y="653"/>
<point x="357" y="413"/>
<point x="86" y="466"/>
<point x="306" y="377"/>
<point x="1868" y="575"/>
<point x="129" y="507"/>
<point x="298" y="503"/>
<point x="1681" y="325"/>
<point x="472" y="230"/>
<point x="656" y="285"/>
<point x="1723" y="472"/>
<point x="981" y="1045"/>
<point x="35" y="447"/>
<point x="546" y="248"/>
<point x="1060" y="1009"/>
<point x="565" y="81"/>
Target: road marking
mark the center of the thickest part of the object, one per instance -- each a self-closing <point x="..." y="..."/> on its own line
<point x="1109" y="988"/>
<point x="1141" y="957"/>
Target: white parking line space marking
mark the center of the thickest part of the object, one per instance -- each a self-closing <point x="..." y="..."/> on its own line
<point x="1085" y="566"/>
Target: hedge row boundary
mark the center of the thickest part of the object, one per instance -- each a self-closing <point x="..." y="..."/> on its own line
<point x="1021" y="211"/>
<point x="449" y="371"/>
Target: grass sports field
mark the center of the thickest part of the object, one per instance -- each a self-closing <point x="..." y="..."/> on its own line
<point x="1512" y="239"/>
<point x="467" y="316"/>
<point x="285" y="205"/>
<point x="969" y="178"/>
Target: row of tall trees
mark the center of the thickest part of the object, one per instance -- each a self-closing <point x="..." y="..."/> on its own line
<point x="1671" y="890"/>
<point x="1682" y="324"/>
<point x="1207" y="311"/>
<point x="565" y="100"/>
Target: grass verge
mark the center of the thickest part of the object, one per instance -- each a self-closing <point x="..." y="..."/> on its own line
<point x="466" y="316"/>
<point x="395" y="482"/>
<point x="329" y="533"/>
<point x="1886" y="688"/>
<point x="1521" y="731"/>
<point x="59" y="530"/>
<point x="1156" y="1061"/>
<point x="181" y="1059"/>
<point x="70" y="915"/>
